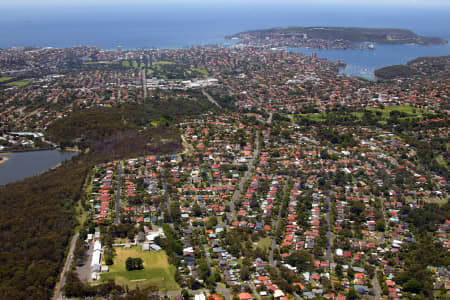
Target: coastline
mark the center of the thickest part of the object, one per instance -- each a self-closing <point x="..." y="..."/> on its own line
<point x="3" y="159"/>
<point x="11" y="151"/>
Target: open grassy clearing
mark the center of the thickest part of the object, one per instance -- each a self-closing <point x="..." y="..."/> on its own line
<point x="202" y="71"/>
<point x="157" y="270"/>
<point x="409" y="110"/>
<point x="440" y="159"/>
<point x="133" y="64"/>
<point x="82" y="213"/>
<point x="3" y="79"/>
<point x="164" y="63"/>
<point x="438" y="200"/>
<point x="291" y="117"/>
<point x="264" y="243"/>
<point x="81" y="216"/>
<point x="100" y="63"/>
<point x="18" y="83"/>
<point x="174" y="71"/>
<point x="318" y="117"/>
<point x="121" y="240"/>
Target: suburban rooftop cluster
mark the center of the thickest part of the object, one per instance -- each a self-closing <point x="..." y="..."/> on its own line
<point x="300" y="182"/>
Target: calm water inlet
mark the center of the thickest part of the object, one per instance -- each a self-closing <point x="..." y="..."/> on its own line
<point x="26" y="164"/>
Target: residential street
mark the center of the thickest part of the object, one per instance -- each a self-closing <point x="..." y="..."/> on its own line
<point x="330" y="236"/>
<point x="248" y="173"/>
<point x="274" y="245"/>
<point x="376" y="287"/>
<point x="119" y="177"/>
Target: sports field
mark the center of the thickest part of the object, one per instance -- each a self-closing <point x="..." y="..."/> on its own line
<point x="157" y="270"/>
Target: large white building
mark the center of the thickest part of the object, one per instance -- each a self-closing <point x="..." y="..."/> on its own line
<point x="199" y="297"/>
<point x="96" y="257"/>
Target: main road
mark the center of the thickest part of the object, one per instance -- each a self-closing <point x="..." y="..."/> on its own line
<point x="144" y="83"/>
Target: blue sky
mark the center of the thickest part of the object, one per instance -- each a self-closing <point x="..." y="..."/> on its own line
<point x="211" y="2"/>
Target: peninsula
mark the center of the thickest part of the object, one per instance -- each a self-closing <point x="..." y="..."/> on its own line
<point x="332" y="37"/>
<point x="435" y="67"/>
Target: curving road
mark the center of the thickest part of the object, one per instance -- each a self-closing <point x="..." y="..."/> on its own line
<point x="58" y="294"/>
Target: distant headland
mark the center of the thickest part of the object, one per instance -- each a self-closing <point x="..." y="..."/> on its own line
<point x="332" y="37"/>
<point x="432" y="67"/>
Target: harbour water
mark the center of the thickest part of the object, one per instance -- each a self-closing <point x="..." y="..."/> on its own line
<point x="363" y="63"/>
<point x="182" y="25"/>
<point x="21" y="165"/>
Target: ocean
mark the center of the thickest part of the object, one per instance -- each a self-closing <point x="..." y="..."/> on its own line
<point x="183" y="25"/>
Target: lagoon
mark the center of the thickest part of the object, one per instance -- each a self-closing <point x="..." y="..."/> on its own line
<point x="21" y="165"/>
